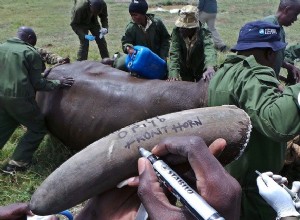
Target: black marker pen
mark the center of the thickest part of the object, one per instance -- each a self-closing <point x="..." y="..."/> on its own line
<point x="181" y="190"/>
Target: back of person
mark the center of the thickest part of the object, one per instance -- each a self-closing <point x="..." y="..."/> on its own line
<point x="20" y="78"/>
<point x="16" y="57"/>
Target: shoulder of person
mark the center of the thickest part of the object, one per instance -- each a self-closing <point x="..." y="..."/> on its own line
<point x="248" y="68"/>
<point x="153" y="17"/>
<point x="81" y="4"/>
<point x="131" y="24"/>
<point x="251" y="62"/>
<point x="204" y="31"/>
<point x="104" y="3"/>
<point x="104" y="7"/>
<point x="33" y="50"/>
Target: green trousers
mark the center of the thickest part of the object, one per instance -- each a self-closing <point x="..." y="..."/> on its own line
<point x="24" y="111"/>
<point x="82" y="53"/>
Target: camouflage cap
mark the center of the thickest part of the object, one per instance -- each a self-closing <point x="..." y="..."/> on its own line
<point x="187" y="17"/>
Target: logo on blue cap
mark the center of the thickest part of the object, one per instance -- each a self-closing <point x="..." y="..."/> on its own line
<point x="267" y="31"/>
<point x="261" y="31"/>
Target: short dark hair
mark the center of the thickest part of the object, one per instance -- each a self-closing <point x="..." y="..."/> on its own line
<point x="97" y="4"/>
<point x="284" y="3"/>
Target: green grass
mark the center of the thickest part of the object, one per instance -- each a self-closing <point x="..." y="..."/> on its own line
<point x="48" y="157"/>
<point x="51" y="19"/>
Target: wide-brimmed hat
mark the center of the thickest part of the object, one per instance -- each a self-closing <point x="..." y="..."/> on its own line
<point x="187" y="17"/>
<point x="259" y="34"/>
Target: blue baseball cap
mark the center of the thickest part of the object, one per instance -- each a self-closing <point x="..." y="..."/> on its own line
<point x="259" y="34"/>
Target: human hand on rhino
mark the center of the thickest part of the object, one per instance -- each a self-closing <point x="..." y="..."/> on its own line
<point x="64" y="60"/>
<point x="123" y="203"/>
<point x="209" y="73"/>
<point x="66" y="82"/>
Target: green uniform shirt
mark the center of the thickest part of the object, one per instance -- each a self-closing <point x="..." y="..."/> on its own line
<point x="156" y="37"/>
<point x="191" y="66"/>
<point x="292" y="53"/>
<point x="280" y="57"/>
<point x="83" y="18"/>
<point x="21" y="68"/>
<point x="275" y="117"/>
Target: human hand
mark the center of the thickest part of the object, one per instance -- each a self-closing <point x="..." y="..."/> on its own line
<point x="66" y="82"/>
<point x="123" y="203"/>
<point x="208" y="74"/>
<point x="115" y="204"/>
<point x="296" y="189"/>
<point x="277" y="178"/>
<point x="64" y="60"/>
<point x="37" y="217"/>
<point x="293" y="76"/>
<point x="276" y="196"/>
<point x="89" y="37"/>
<point x="102" y="32"/>
<point x="16" y="211"/>
<point x="173" y="79"/>
<point x="208" y="172"/>
<point x="130" y="50"/>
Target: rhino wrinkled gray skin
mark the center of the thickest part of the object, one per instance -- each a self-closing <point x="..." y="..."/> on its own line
<point x="104" y="99"/>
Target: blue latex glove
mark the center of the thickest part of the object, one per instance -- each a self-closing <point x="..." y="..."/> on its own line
<point x="89" y="37"/>
<point x="67" y="213"/>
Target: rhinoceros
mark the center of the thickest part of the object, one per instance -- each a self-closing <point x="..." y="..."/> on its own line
<point x="115" y="113"/>
<point x="104" y="99"/>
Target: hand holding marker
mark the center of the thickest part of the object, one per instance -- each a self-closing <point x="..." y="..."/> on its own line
<point x="181" y="190"/>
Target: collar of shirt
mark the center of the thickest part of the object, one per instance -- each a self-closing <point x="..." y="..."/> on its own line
<point x="149" y="22"/>
<point x="189" y="42"/>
